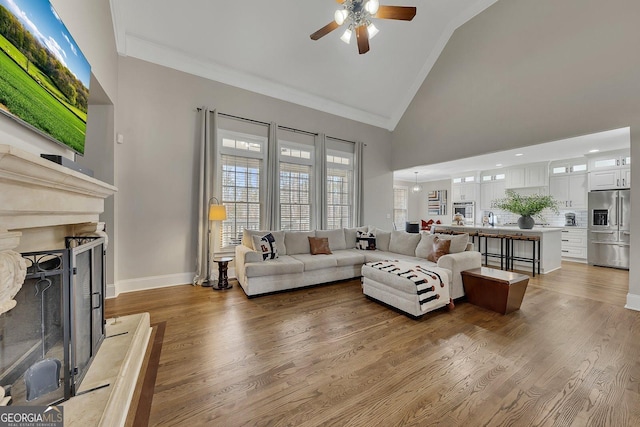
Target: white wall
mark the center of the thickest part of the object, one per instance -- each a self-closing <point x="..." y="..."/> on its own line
<point x="157" y="166"/>
<point x="529" y="71"/>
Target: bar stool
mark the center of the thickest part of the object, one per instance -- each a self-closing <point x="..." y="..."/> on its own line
<point x="487" y="254"/>
<point x="535" y="252"/>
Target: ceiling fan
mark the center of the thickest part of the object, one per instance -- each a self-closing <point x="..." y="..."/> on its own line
<point x="358" y="15"/>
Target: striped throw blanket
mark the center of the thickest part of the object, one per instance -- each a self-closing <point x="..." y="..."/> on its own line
<point x="429" y="283"/>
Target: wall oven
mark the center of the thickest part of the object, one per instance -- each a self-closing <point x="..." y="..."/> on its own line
<point x="467" y="210"/>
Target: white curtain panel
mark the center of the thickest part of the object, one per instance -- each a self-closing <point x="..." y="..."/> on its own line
<point x="272" y="208"/>
<point x="358" y="172"/>
<point x="321" y="179"/>
<point x="208" y="121"/>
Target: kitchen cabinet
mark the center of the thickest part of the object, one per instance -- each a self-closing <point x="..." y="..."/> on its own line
<point x="465" y="192"/>
<point x="569" y="190"/>
<point x="465" y="189"/>
<point x="574" y="244"/>
<point x="610" y="179"/>
<point x="569" y="166"/>
<point x="490" y="191"/>
<point x="611" y="160"/>
<point x="533" y="175"/>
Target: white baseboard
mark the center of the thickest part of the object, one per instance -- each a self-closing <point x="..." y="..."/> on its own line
<point x="153" y="282"/>
<point x="633" y="302"/>
<point x="110" y="291"/>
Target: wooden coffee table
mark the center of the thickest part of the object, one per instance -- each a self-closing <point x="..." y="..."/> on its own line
<point x="497" y="290"/>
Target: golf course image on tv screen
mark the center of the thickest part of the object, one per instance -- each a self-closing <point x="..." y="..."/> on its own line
<point x="44" y="77"/>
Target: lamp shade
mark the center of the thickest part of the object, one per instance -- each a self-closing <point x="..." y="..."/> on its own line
<point x="217" y="213"/>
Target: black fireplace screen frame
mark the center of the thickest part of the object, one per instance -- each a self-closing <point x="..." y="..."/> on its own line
<point x="44" y="265"/>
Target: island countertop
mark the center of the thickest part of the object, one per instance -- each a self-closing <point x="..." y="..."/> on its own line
<point x="499" y="229"/>
<point x="550" y="243"/>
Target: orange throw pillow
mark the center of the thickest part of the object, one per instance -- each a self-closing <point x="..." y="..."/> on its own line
<point x="440" y="247"/>
<point x="319" y="245"/>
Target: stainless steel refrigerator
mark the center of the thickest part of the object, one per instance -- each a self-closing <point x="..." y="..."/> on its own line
<point x="609" y="228"/>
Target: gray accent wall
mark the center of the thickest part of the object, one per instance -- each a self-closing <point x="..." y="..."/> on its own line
<point x="525" y="72"/>
<point x="157" y="165"/>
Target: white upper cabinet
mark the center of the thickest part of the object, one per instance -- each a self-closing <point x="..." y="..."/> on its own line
<point x="492" y="187"/>
<point x="610" y="171"/>
<point x="610" y="160"/>
<point x="465" y="188"/>
<point x="570" y="190"/>
<point x="526" y="176"/>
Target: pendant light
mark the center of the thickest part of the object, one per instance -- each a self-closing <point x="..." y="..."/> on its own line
<point x="417" y="187"/>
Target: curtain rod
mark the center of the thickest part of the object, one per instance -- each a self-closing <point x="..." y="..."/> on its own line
<point x="343" y="140"/>
<point x="244" y="119"/>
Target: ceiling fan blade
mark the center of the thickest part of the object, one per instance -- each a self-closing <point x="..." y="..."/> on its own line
<point x="324" y="30"/>
<point x="404" y="13"/>
<point x="362" y="35"/>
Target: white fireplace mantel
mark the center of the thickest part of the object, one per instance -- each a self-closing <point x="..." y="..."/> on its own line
<point x="35" y="192"/>
<point x="38" y="196"/>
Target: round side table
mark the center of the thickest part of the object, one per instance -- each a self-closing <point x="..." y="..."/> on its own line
<point x="223" y="279"/>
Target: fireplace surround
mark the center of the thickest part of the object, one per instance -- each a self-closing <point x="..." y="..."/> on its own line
<point x="47" y="342"/>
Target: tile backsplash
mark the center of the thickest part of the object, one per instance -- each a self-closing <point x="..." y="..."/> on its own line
<point x="550" y="217"/>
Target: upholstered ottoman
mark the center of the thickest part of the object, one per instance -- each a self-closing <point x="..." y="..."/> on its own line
<point x="407" y="286"/>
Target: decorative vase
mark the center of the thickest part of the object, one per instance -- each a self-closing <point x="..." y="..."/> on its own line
<point x="526" y="222"/>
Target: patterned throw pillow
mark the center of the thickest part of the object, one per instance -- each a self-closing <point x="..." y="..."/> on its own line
<point x="266" y="245"/>
<point x="365" y="241"/>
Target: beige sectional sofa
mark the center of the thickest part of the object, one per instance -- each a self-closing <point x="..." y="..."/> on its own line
<point x="295" y="267"/>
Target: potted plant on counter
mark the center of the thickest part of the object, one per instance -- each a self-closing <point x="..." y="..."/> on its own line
<point x="526" y="206"/>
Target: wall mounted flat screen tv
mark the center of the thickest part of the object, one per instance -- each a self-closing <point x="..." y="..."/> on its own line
<point x="44" y="77"/>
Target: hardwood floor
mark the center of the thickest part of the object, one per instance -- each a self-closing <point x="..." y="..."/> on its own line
<point x="329" y="356"/>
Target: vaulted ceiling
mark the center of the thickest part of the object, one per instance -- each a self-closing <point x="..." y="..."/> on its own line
<point x="264" y="46"/>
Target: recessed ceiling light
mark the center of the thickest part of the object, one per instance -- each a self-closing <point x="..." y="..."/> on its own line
<point x="594" y="151"/>
<point x="519" y="154"/>
<point x="498" y="164"/>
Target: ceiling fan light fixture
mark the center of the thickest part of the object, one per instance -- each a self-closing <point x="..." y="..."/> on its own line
<point x="340" y="16"/>
<point x="372" y="6"/>
<point x="346" y="37"/>
<point x="372" y="30"/>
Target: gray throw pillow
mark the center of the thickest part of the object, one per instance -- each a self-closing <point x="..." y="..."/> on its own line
<point x="404" y="243"/>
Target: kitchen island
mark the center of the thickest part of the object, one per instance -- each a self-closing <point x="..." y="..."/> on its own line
<point x="550" y="244"/>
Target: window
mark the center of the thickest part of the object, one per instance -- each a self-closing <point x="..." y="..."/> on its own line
<point x="241" y="165"/>
<point x="400" y="204"/>
<point x="296" y="170"/>
<point x="339" y="189"/>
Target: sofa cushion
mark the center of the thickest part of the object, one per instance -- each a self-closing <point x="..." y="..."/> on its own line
<point x="383" y="238"/>
<point x="336" y="238"/>
<point x="297" y="242"/>
<point x="312" y="262"/>
<point x="350" y="235"/>
<point x="365" y="240"/>
<point x="282" y="265"/>
<point x="458" y="241"/>
<point x="319" y="245"/>
<point x="247" y="239"/>
<point x="404" y="243"/>
<point x="349" y="257"/>
<point x="266" y="246"/>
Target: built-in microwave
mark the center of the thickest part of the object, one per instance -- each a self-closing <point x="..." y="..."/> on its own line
<point x="467" y="210"/>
